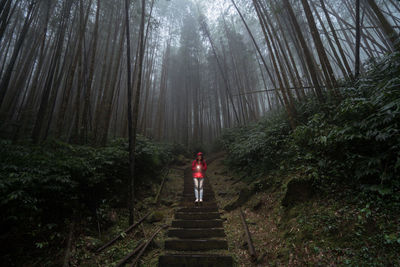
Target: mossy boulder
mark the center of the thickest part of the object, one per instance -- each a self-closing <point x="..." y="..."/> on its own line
<point x="257" y="205"/>
<point x="155" y="216"/>
<point x="175" y="204"/>
<point x="92" y="243"/>
<point x="298" y="190"/>
<point x="245" y="194"/>
<point x="148" y="200"/>
<point x="166" y="202"/>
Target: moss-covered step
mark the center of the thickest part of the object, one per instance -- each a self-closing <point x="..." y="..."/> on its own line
<point x="205" y="204"/>
<point x="196" y="223"/>
<point x="197" y="215"/>
<point x="195" y="244"/>
<point x="200" y="260"/>
<point x="193" y="208"/>
<point x="192" y="198"/>
<point x="196" y="232"/>
<point x="190" y="193"/>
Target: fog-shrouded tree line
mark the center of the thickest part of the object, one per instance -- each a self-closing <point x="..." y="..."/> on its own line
<point x="195" y="67"/>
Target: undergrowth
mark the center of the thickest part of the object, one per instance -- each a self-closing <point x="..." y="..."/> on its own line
<point x="43" y="188"/>
<point x="349" y="150"/>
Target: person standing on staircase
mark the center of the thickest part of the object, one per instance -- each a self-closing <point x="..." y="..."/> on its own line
<point x="199" y="167"/>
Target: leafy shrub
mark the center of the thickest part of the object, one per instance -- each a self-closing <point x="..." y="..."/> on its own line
<point x="260" y="147"/>
<point x="42" y="187"/>
<point x="356" y="141"/>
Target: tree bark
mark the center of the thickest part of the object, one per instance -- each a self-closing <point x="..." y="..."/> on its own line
<point x="7" y="75"/>
<point x="47" y="87"/>
<point x="328" y="71"/>
<point x="358" y="35"/>
<point x="386" y="27"/>
<point x="306" y="51"/>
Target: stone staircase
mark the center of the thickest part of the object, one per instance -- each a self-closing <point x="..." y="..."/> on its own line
<point x="196" y="236"/>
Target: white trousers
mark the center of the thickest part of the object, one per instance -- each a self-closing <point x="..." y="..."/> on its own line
<point x="198" y="187"/>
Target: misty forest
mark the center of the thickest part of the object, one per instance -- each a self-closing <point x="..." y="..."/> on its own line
<point x="200" y="132"/>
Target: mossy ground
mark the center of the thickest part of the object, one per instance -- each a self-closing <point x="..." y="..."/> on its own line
<point x="332" y="228"/>
<point x="83" y="252"/>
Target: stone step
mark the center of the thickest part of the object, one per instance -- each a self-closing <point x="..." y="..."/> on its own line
<point x="191" y="182"/>
<point x="198" y="260"/>
<point x="197" y="215"/>
<point x="206" y="204"/>
<point x="205" y="199"/>
<point x="191" y="204"/>
<point x="196" y="232"/>
<point x="197" y="223"/>
<point x="191" y="194"/>
<point x="195" y="244"/>
<point x="191" y="189"/>
<point x="198" y="209"/>
<point x="196" y="228"/>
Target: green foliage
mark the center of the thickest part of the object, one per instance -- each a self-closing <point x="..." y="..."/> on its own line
<point x="260" y="147"/>
<point x="351" y="151"/>
<point x="356" y="140"/>
<point x="43" y="187"/>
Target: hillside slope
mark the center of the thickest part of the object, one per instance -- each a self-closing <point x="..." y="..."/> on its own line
<point x="327" y="192"/>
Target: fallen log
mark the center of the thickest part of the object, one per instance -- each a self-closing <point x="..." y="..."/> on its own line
<point x="146" y="245"/>
<point x="130" y="255"/>
<point x="177" y="168"/>
<point x="238" y="180"/>
<point x="119" y="236"/>
<point x="69" y="244"/>
<point x="161" y="187"/>
<point x="250" y="245"/>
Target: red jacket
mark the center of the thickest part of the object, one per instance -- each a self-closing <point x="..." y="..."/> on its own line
<point x="199" y="173"/>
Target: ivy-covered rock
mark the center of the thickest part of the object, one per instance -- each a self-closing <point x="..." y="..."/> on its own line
<point x="298" y="190"/>
<point x="155" y="216"/>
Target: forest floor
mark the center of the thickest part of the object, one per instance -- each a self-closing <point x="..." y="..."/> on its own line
<point x="325" y="230"/>
<point x="262" y="225"/>
<point x="84" y="251"/>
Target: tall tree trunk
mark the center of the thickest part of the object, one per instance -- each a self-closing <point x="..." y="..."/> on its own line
<point x="49" y="80"/>
<point x="223" y="74"/>
<point x="130" y="122"/>
<point x="160" y="115"/>
<point x="289" y="107"/>
<point x="358" y="35"/>
<point x="27" y="109"/>
<point x="335" y="37"/>
<point x="133" y="126"/>
<point x="333" y="48"/>
<point x="88" y="90"/>
<point x="72" y="72"/>
<point x="6" y="11"/>
<point x="386" y="27"/>
<point x="272" y="33"/>
<point x="306" y="51"/>
<point x="7" y="75"/>
<point x="329" y="75"/>
<point x="109" y="94"/>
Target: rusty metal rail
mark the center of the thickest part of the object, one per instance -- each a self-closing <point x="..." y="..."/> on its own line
<point x="250" y="245"/>
<point x="119" y="236"/>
